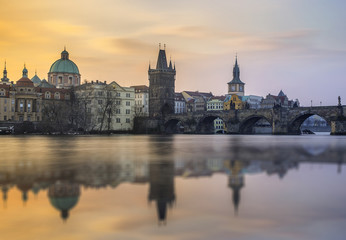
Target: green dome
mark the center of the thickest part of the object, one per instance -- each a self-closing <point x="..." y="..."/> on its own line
<point x="64" y="203"/>
<point x="64" y="66"/>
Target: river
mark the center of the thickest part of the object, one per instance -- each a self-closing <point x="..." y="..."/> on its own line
<point x="173" y="187"/>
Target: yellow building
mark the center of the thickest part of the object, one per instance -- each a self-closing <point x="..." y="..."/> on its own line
<point x="233" y="102"/>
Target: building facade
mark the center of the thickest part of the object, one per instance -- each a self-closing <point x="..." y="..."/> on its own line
<point x="215" y="103"/>
<point x="196" y="101"/>
<point x="141" y="100"/>
<point x="161" y="87"/>
<point x="106" y="107"/>
<point x="280" y="100"/>
<point x="179" y="104"/>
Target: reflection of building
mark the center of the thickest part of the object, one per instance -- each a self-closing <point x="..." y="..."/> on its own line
<point x="161" y="178"/>
<point x="64" y="195"/>
<point x="235" y="181"/>
<point x="64" y="73"/>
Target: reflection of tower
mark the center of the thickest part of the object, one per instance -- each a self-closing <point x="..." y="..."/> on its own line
<point x="4" y="190"/>
<point x="24" y="187"/>
<point x="161" y="87"/>
<point x="161" y="178"/>
<point x="64" y="195"/>
<point x="236" y="182"/>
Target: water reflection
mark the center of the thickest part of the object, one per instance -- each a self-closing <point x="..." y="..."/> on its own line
<point x="70" y="164"/>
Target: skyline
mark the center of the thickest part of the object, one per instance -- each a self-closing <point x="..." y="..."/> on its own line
<point x="291" y="45"/>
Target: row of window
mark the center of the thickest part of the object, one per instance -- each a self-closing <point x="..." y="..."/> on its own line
<point x="21" y="118"/>
<point x="117" y="120"/>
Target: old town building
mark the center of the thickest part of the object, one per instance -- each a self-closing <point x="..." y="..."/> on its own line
<point x="196" y="101"/>
<point x="179" y="104"/>
<point x="280" y="100"/>
<point x="106" y="107"/>
<point x="141" y="100"/>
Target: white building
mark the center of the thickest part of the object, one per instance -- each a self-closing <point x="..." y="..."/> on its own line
<point x="106" y="107"/>
<point x="215" y="103"/>
<point x="141" y="100"/>
<point x="179" y="104"/>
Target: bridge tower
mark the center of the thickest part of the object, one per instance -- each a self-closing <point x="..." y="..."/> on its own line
<point x="236" y="86"/>
<point x="161" y="86"/>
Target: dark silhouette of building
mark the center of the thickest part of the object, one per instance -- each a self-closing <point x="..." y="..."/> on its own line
<point x="161" y="87"/>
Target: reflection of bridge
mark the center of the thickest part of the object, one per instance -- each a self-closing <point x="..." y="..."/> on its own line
<point x="282" y="120"/>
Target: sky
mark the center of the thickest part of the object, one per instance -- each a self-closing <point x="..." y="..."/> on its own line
<point x="297" y="46"/>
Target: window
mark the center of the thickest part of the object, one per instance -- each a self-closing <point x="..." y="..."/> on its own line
<point x="100" y="93"/>
<point x="21" y="107"/>
<point x="128" y="111"/>
<point x="38" y="119"/>
<point x="127" y="120"/>
<point x="70" y="80"/>
<point x="67" y="96"/>
<point x="117" y="111"/>
<point x="88" y="110"/>
<point x="5" y="109"/>
<point x="12" y="101"/>
<point x="100" y="101"/>
<point x="118" y="120"/>
<point x="128" y="95"/>
<point x="118" y="94"/>
<point x="47" y="95"/>
<point x="128" y="103"/>
<point x="117" y="102"/>
<point x="57" y="95"/>
<point x="29" y="118"/>
<point x="29" y="107"/>
<point x="5" y="118"/>
<point x="60" y="80"/>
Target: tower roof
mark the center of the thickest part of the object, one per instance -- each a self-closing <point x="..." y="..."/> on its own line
<point x="236" y="73"/>
<point x="162" y="60"/>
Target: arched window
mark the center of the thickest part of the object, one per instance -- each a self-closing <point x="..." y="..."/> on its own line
<point x="2" y="92"/>
<point x="57" y="95"/>
<point x="67" y="96"/>
<point x="47" y="95"/>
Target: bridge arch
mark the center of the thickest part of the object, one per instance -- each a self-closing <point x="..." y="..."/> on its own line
<point x="174" y="125"/>
<point x="248" y="124"/>
<point x="206" y="124"/>
<point x="294" y="126"/>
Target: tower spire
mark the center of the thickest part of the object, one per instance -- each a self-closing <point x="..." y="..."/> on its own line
<point x="25" y="71"/>
<point x="4" y="78"/>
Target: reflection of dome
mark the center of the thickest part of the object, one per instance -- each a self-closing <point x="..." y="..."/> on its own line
<point x="64" y="65"/>
<point x="64" y="196"/>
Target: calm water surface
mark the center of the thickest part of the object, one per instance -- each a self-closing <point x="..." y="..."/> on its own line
<point x="173" y="187"/>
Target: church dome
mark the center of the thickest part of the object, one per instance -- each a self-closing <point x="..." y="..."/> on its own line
<point x="64" y="65"/>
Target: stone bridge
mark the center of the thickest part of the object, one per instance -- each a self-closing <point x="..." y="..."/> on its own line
<point x="282" y="120"/>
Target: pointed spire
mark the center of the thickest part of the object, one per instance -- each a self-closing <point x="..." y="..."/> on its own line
<point x="64" y="47"/>
<point x="174" y="66"/>
<point x="5" y="65"/>
<point x="170" y="64"/>
<point x="161" y="60"/>
<point x="149" y="66"/>
<point x="25" y="71"/>
<point x="4" y="78"/>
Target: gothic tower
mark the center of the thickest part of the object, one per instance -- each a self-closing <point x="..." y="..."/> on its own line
<point x="161" y="87"/>
<point x="236" y="86"/>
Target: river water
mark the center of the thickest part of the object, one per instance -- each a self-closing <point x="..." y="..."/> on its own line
<point x="173" y="187"/>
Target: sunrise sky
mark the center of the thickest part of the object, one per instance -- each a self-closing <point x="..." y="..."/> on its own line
<point x="295" y="45"/>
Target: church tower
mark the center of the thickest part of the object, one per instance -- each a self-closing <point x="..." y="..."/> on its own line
<point x="236" y="86"/>
<point x="5" y="78"/>
<point x="161" y="86"/>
